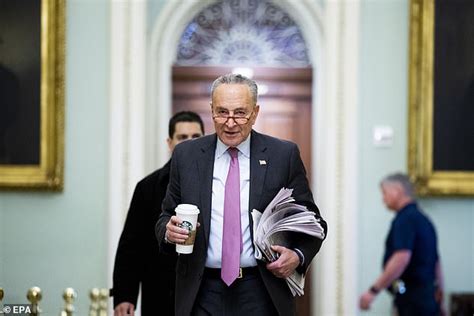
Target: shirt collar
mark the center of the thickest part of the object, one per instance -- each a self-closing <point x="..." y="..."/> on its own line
<point x="243" y="147"/>
<point x="407" y="206"/>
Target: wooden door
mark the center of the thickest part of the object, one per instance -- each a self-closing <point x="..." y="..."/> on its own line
<point x="285" y="109"/>
<point x="285" y="112"/>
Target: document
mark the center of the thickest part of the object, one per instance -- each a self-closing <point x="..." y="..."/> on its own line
<point x="280" y="219"/>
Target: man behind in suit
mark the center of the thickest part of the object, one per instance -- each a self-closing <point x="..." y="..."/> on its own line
<point x="138" y="259"/>
<point x="214" y="280"/>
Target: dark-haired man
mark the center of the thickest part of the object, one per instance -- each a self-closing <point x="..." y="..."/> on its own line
<point x="138" y="260"/>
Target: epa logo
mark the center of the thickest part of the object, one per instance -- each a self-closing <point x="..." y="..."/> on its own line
<point x="16" y="309"/>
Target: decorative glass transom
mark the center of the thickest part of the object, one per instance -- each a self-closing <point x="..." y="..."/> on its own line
<point x="242" y="32"/>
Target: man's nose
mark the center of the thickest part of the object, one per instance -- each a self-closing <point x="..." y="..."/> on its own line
<point x="230" y="122"/>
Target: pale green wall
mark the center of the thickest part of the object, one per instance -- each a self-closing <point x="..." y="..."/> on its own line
<point x="383" y="101"/>
<point x="57" y="240"/>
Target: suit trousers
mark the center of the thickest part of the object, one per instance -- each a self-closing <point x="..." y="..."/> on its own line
<point x="246" y="296"/>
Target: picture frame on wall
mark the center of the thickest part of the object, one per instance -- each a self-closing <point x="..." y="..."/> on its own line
<point x="441" y="97"/>
<point x="32" y="94"/>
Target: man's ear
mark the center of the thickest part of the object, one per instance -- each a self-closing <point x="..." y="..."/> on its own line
<point x="256" y="109"/>
<point x="168" y="141"/>
<point x="400" y="190"/>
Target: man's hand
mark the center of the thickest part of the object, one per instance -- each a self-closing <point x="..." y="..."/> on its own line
<point x="439" y="297"/>
<point x="174" y="233"/>
<point x="124" y="309"/>
<point x="286" y="263"/>
<point x="366" y="300"/>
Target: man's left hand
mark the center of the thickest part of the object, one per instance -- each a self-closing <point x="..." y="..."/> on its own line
<point x="286" y="263"/>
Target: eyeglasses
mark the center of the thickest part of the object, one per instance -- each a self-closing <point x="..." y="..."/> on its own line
<point x="240" y="117"/>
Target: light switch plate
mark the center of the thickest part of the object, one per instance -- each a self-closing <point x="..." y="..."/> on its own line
<point x="383" y="136"/>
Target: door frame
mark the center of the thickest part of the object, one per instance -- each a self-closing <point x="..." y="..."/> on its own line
<point x="331" y="31"/>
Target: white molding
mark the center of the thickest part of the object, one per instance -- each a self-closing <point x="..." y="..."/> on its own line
<point x="336" y="161"/>
<point x="324" y="161"/>
<point x="164" y="39"/>
<point x="126" y="112"/>
<point x="117" y="132"/>
<point x="351" y="162"/>
<point x="137" y="89"/>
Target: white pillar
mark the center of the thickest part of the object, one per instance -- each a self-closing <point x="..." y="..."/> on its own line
<point x="126" y="113"/>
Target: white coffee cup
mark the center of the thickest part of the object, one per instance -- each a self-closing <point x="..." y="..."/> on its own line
<point x="188" y="213"/>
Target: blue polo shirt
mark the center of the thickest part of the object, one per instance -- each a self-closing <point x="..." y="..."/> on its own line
<point x="412" y="230"/>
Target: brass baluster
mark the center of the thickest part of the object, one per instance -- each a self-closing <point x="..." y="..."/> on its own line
<point x="94" y="307"/>
<point x="34" y="295"/>
<point x="69" y="296"/>
<point x="103" y="302"/>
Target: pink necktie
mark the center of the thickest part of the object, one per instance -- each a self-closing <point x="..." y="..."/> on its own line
<point x="231" y="233"/>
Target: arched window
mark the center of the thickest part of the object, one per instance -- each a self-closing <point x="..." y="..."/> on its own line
<point x="242" y="32"/>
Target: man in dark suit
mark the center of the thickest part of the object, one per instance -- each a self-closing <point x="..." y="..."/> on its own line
<point x="138" y="259"/>
<point x="209" y="281"/>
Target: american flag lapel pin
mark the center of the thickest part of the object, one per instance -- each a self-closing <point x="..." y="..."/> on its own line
<point x="262" y="162"/>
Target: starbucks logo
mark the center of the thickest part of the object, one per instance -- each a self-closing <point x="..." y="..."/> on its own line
<point x="186" y="225"/>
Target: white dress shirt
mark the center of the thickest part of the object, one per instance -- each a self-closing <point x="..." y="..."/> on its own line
<point x="221" y="168"/>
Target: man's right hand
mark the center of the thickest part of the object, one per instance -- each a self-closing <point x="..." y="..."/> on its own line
<point x="124" y="309"/>
<point x="366" y="300"/>
<point x="174" y="234"/>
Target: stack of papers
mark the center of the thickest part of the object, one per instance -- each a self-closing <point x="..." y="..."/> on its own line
<point x="281" y="218"/>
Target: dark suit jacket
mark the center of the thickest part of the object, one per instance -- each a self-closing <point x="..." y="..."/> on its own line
<point x="191" y="182"/>
<point x="138" y="259"/>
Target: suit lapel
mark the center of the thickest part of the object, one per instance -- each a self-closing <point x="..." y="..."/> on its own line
<point x="205" y="172"/>
<point x="258" y="169"/>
